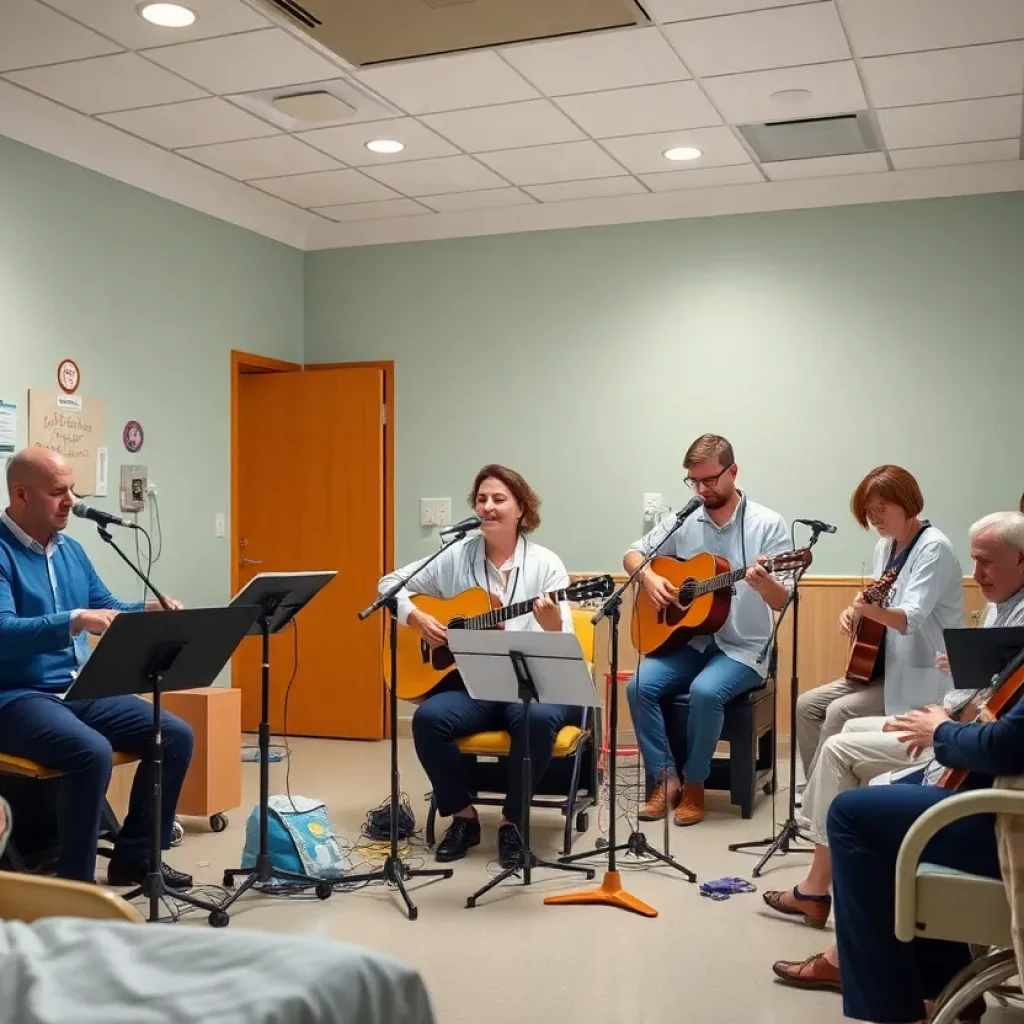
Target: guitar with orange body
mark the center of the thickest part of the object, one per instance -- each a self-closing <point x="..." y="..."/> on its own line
<point x="704" y="596"/>
<point x="869" y="635"/>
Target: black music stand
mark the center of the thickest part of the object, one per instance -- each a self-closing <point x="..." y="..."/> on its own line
<point x="277" y="597"/>
<point x="512" y="667"/>
<point x="153" y="653"/>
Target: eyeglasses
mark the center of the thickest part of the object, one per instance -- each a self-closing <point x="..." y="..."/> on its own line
<point x="707" y="481"/>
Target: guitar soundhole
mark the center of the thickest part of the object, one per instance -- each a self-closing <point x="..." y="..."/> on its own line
<point x="688" y="593"/>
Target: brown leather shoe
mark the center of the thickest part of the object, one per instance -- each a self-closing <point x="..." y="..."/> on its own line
<point x="691" y="804"/>
<point x="656" y="808"/>
<point x="814" y="910"/>
<point x="814" y="972"/>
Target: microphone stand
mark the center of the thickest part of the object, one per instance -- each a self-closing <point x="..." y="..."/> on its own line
<point x="790" y="830"/>
<point x="394" y="870"/>
<point x="610" y="892"/>
<point x="154" y="886"/>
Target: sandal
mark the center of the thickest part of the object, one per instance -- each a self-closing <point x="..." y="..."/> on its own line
<point x="815" y="910"/>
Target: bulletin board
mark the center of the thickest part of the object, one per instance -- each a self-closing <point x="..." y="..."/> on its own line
<point x="76" y="427"/>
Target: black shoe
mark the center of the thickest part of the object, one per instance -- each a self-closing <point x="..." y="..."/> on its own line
<point x="133" y="872"/>
<point x="510" y="846"/>
<point x="462" y="835"/>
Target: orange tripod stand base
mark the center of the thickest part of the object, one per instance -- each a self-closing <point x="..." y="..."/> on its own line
<point x="610" y="894"/>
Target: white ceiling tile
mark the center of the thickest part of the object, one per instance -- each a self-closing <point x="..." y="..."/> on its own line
<point x="240" y="63"/>
<point x="825" y="166"/>
<point x="899" y="26"/>
<point x="262" y="158"/>
<point x="642" y="154"/>
<point x="965" y="153"/>
<point x="103" y="84"/>
<point x="123" y="23"/>
<point x="31" y="34"/>
<point x="671" y="181"/>
<point x="595" y="188"/>
<point x="373" y="211"/>
<point x="325" y="188"/>
<point x="782" y="37"/>
<point x="195" y="123"/>
<point x="641" y="110"/>
<point x="348" y="142"/>
<point x="940" y="124"/>
<point x="747" y="98"/>
<point x="938" y="75"/>
<point x="533" y="123"/>
<point x="487" y="198"/>
<point x="437" y="177"/>
<point x="448" y="83"/>
<point x="567" y="161"/>
<point x="681" y="10"/>
<point x="606" y="60"/>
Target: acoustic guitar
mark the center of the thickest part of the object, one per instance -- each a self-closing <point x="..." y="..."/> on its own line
<point x="422" y="669"/>
<point x="986" y="706"/>
<point x="868" y="637"/>
<point x="703" y="598"/>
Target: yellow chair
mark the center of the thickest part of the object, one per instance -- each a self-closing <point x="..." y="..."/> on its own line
<point x="23" y="768"/>
<point x="30" y="898"/>
<point x="570" y="783"/>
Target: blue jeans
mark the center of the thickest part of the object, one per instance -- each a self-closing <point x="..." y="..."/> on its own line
<point x="885" y="980"/>
<point x="712" y="679"/>
<point x="441" y="719"/>
<point x="78" y="737"/>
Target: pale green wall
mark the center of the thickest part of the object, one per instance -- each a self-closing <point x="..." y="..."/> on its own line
<point x="822" y="342"/>
<point x="148" y="298"/>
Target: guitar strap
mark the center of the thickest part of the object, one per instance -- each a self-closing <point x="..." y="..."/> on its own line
<point x="897" y="563"/>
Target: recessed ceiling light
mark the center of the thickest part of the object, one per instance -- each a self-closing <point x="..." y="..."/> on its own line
<point x="385" y="146"/>
<point x="167" y="15"/>
<point x="791" y="97"/>
<point x="678" y="153"/>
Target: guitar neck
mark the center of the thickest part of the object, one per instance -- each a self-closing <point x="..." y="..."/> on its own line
<point x="496" y="616"/>
<point x="719" y="582"/>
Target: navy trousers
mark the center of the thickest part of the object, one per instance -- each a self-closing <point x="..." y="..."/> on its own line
<point x="441" y="719"/>
<point x="885" y="980"/>
<point x="78" y="738"/>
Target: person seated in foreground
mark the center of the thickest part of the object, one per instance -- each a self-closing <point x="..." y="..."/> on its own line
<point x="867" y="748"/>
<point x="50" y="599"/>
<point x="62" y="969"/>
<point x="882" y="979"/>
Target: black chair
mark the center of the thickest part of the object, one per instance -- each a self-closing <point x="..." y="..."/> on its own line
<point x="750" y="731"/>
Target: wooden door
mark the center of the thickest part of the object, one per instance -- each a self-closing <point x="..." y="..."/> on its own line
<point x="310" y="451"/>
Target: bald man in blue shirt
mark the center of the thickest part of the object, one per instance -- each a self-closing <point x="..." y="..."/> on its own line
<point x="50" y="600"/>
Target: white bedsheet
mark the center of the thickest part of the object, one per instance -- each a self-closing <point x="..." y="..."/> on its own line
<point x="73" y="971"/>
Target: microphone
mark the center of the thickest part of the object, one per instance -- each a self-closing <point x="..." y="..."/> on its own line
<point x="688" y="509"/>
<point x="84" y="511"/>
<point x="467" y="524"/>
<point x="816" y="524"/>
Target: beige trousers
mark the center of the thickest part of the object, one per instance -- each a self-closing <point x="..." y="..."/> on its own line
<point x="853" y="758"/>
<point x="823" y="711"/>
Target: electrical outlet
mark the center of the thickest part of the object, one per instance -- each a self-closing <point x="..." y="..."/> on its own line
<point x="652" y="502"/>
<point x="435" y="511"/>
<point x="218" y="525"/>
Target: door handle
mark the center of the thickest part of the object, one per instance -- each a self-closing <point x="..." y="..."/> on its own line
<point x="250" y="561"/>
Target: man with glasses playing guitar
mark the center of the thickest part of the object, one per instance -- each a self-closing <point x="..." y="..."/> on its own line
<point x="522" y="586"/>
<point x="713" y="669"/>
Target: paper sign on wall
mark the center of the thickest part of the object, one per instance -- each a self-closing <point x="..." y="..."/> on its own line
<point x="8" y="428"/>
<point x="75" y="426"/>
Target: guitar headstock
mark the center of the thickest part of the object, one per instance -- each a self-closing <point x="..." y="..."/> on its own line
<point x="876" y="593"/>
<point x="590" y="588"/>
<point x="789" y="561"/>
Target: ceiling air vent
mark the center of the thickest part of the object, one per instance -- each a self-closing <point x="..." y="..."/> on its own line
<point x="811" y="137"/>
<point x="376" y="31"/>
